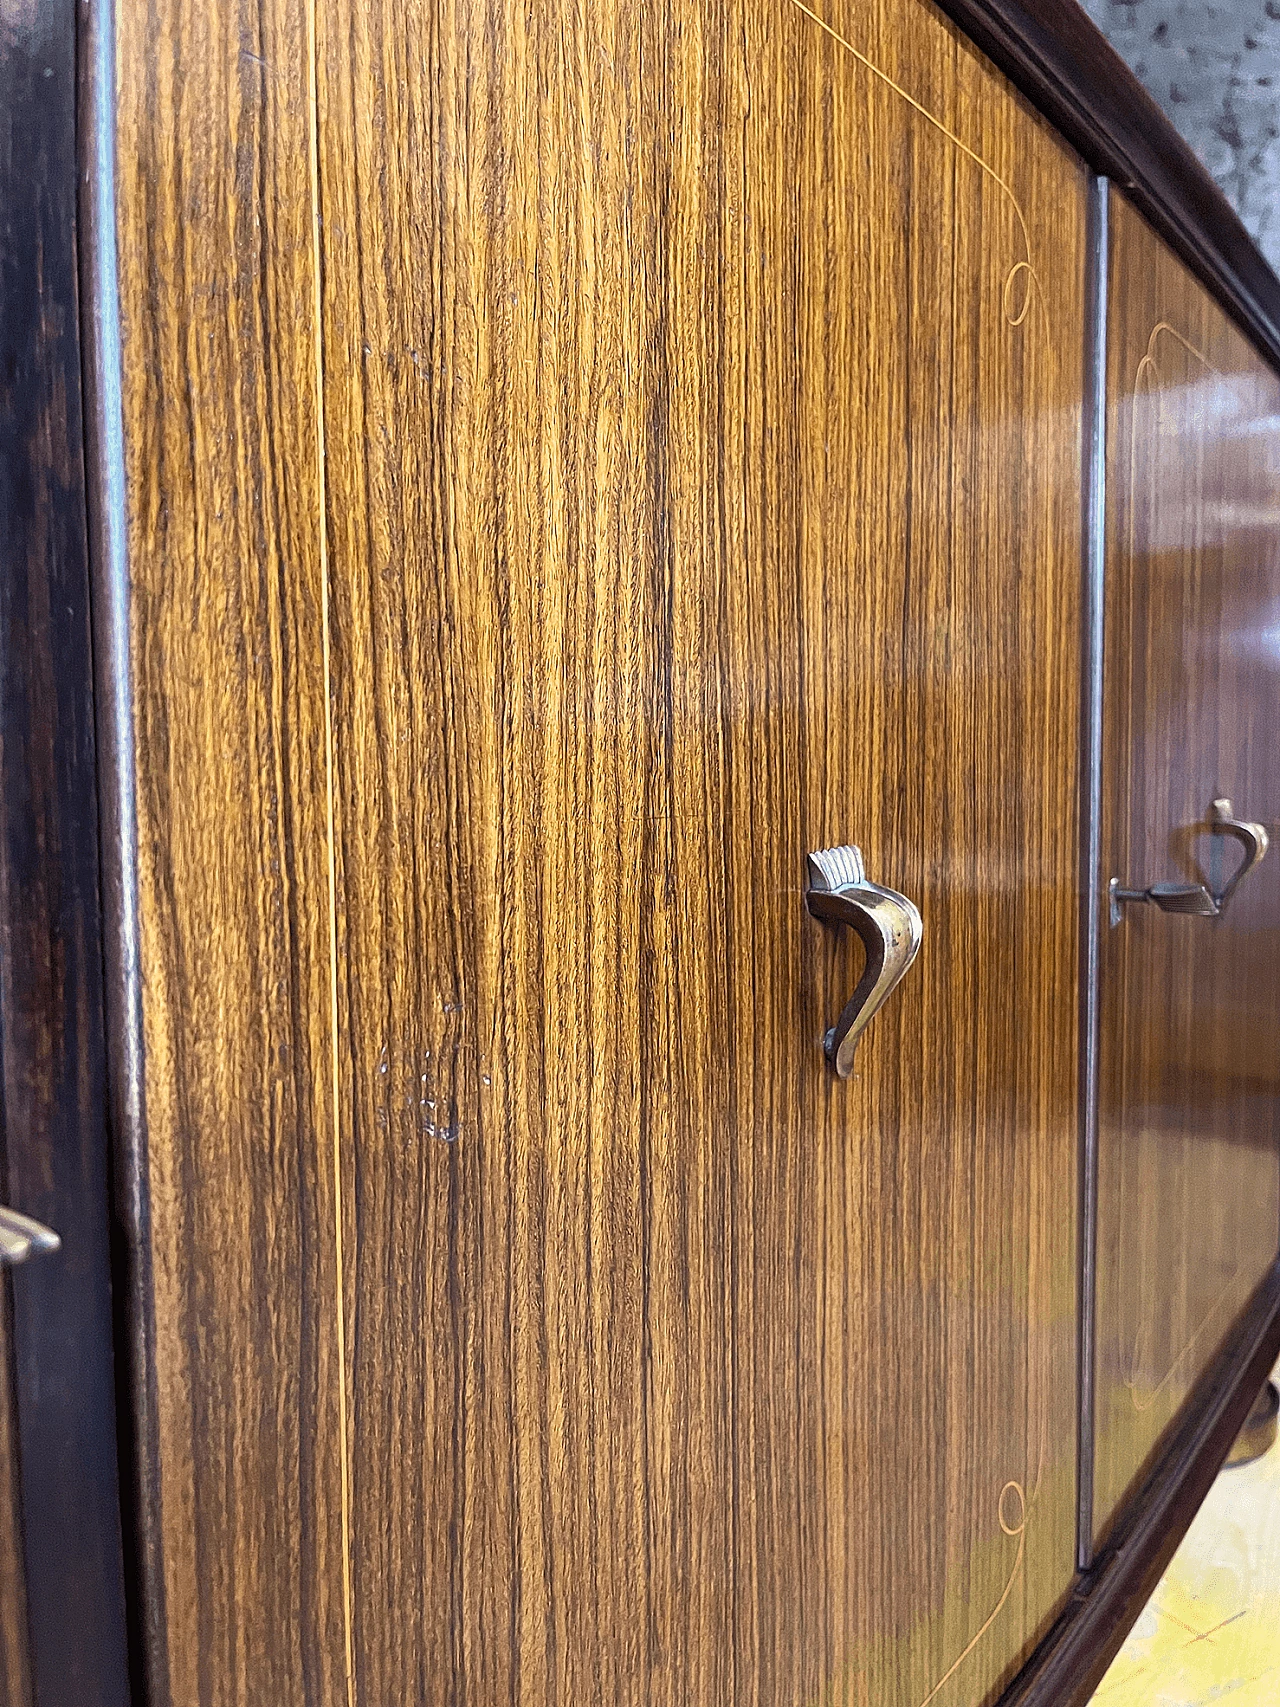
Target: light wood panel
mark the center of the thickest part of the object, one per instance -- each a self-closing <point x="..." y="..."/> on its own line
<point x="218" y="287"/>
<point x="699" y="466"/>
<point x="703" y="447"/>
<point x="1189" y="1183"/>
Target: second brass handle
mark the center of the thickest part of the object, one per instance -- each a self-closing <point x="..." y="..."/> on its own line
<point x="1252" y="838"/>
<point x="1198" y="898"/>
<point x="891" y="930"/>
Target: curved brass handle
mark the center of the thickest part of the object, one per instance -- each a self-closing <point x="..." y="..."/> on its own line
<point x="890" y="927"/>
<point x="22" y="1237"/>
<point x="1199" y="898"/>
<point x="1252" y="838"/>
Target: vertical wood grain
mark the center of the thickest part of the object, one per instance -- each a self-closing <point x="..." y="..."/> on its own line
<point x="703" y="487"/>
<point x="1189" y="1171"/>
<point x="701" y="429"/>
<point x="217" y="285"/>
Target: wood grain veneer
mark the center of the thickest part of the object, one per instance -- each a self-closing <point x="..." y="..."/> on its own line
<point x="1189" y="1052"/>
<point x="217" y="291"/>
<point x="702" y="487"/>
<point x="699" y="468"/>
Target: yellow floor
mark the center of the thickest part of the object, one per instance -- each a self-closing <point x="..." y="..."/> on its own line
<point x="1211" y="1631"/>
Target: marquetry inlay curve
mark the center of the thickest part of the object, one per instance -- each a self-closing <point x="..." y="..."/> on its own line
<point x="1015" y="302"/>
<point x="1148" y="363"/>
<point x="1013" y="1505"/>
<point x="1015" y="1529"/>
<point x="1131" y="1382"/>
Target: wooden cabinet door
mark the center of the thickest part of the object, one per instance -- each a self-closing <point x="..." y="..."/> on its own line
<point x="1189" y="1060"/>
<point x="580" y="461"/>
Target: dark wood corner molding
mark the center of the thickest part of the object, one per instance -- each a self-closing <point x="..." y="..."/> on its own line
<point x="56" y="1143"/>
<point x="1063" y="63"/>
<point x="1066" y="1668"/>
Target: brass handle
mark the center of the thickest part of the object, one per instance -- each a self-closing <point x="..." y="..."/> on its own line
<point x="21" y="1237"/>
<point x="1252" y="838"/>
<point x="1198" y="898"/>
<point x="1169" y="897"/>
<point x="890" y="927"/>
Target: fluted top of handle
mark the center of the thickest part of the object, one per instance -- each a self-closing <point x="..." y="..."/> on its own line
<point x="836" y="868"/>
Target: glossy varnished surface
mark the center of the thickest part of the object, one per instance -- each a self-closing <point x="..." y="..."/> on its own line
<point x="1110" y="1595"/>
<point x="242" y="1470"/>
<point x="701" y="486"/>
<point x="693" y="503"/>
<point x="1189" y="1174"/>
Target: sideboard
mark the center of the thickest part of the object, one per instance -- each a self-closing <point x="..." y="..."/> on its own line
<point x="639" y="981"/>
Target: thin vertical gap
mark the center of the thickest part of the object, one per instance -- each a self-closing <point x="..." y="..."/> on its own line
<point x="133" y="1294"/>
<point x="1090" y="839"/>
<point x="313" y="141"/>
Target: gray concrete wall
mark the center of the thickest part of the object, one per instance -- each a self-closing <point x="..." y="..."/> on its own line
<point x="1214" y="66"/>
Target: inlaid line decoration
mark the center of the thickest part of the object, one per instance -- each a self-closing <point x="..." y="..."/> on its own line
<point x="1016" y="1529"/>
<point x="1131" y="1382"/>
<point x="1149" y="381"/>
<point x="1015" y="303"/>
<point x="317" y="308"/>
<point x="1013" y="1507"/>
<point x="1148" y="364"/>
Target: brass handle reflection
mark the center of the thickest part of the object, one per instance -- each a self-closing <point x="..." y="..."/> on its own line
<point x="891" y="930"/>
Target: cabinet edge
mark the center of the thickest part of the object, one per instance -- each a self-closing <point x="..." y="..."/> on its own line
<point x="1054" y="53"/>
<point x="1068" y="1664"/>
<point x="101" y="359"/>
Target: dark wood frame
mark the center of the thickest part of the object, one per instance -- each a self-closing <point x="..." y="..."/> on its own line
<point x="52" y="1041"/>
<point x="61" y="918"/>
